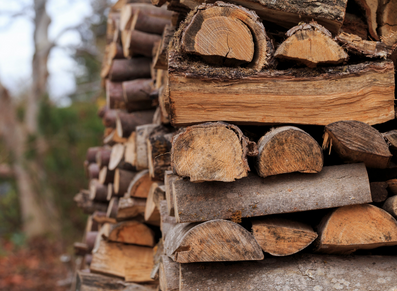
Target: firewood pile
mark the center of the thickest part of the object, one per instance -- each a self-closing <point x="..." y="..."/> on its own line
<point x="248" y="146"/>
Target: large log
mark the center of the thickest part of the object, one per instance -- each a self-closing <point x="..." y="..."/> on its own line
<point x="356" y="141"/>
<point x="253" y="196"/>
<point x="363" y="92"/>
<point x="124" y="70"/>
<point x="288" y="149"/>
<point x="211" y="241"/>
<point x="103" y="156"/>
<point x="145" y="22"/>
<point x="350" y="228"/>
<point x="130" y="232"/>
<point x="282" y="237"/>
<point x="211" y="152"/>
<point x="298" y="272"/>
<point x="312" y="45"/>
<point x="127" y="122"/>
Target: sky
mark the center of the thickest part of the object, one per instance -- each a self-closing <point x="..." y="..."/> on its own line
<point x="16" y="45"/>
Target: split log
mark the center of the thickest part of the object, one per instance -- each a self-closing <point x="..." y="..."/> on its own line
<point x="253" y="196"/>
<point x="136" y="94"/>
<point x="93" y="171"/>
<point x="130" y="232"/>
<point x="356" y="45"/>
<point x="152" y="214"/>
<point x="309" y="272"/>
<point x="129" y="69"/>
<point x="211" y="152"/>
<point x="282" y="237"/>
<point x="387" y="21"/>
<point x="87" y="205"/>
<point x="167" y="222"/>
<point x="356" y="141"/>
<point x="391" y="205"/>
<point x="103" y="156"/>
<point x="116" y="156"/>
<point x="106" y="176"/>
<point x="211" y="241"/>
<point x="101" y="218"/>
<point x="392" y="186"/>
<point x="159" y="145"/>
<point x="312" y="45"/>
<point x="363" y="92"/>
<point x="142" y="21"/>
<point x="169" y="274"/>
<point x="139" y="43"/>
<point x="130" y="150"/>
<point x="91" y="154"/>
<point x="226" y="34"/>
<point x="126" y="123"/>
<point x="113" y="208"/>
<point x="351" y="228"/>
<point x="142" y="133"/>
<point x="98" y="191"/>
<point x="139" y="267"/>
<point x="130" y="207"/>
<point x="370" y="7"/>
<point x="139" y="186"/>
<point x="391" y="138"/>
<point x="169" y="180"/>
<point x="114" y="95"/>
<point x="160" y="60"/>
<point x="122" y="180"/>
<point x="379" y="191"/>
<point x="288" y="149"/>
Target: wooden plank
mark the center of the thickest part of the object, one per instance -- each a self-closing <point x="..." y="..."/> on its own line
<point x="253" y="196"/>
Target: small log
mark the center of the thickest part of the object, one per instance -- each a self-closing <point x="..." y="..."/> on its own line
<point x="136" y="94"/>
<point x="98" y="191"/>
<point x="387" y="21"/>
<point x="142" y="133"/>
<point x="126" y="123"/>
<point x="130" y="150"/>
<point x="129" y="69"/>
<point x="130" y="232"/>
<point x="391" y="205"/>
<point x="159" y="145"/>
<point x="144" y="22"/>
<point x="370" y="7"/>
<point x="282" y="237"/>
<point x="114" y="95"/>
<point x="106" y="176"/>
<point x="169" y="274"/>
<point x="355" y="141"/>
<point x="308" y="272"/>
<point x="139" y="43"/>
<point x="130" y="207"/>
<point x="101" y="218"/>
<point x="93" y="171"/>
<point x="226" y="34"/>
<point x="167" y="222"/>
<point x="87" y="205"/>
<point x="152" y="214"/>
<point x="253" y="196"/>
<point x="288" y="149"/>
<point x="169" y="180"/>
<point x="312" y="45"/>
<point x="211" y="152"/>
<point x="113" y="208"/>
<point x="109" y="118"/>
<point x="160" y="60"/>
<point x="103" y="156"/>
<point x="211" y="241"/>
<point x="90" y="238"/>
<point x="116" y="156"/>
<point x="128" y="11"/>
<point x="392" y="186"/>
<point x="379" y="191"/>
<point x="158" y="194"/>
<point x="91" y="154"/>
<point x="122" y="180"/>
<point x="355" y="227"/>
<point x="356" y="45"/>
<point x="140" y="186"/>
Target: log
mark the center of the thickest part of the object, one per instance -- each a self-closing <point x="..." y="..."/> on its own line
<point x="169" y="180"/>
<point x="139" y="43"/>
<point x="158" y="194"/>
<point x="106" y="176"/>
<point x="122" y="180"/>
<point x="356" y="45"/>
<point x="282" y="237"/>
<point x="387" y="22"/>
<point x="101" y="218"/>
<point x="80" y="249"/>
<point x="130" y="150"/>
<point x="159" y="145"/>
<point x="145" y="22"/>
<point x="152" y="214"/>
<point x="226" y="34"/>
<point x="93" y="171"/>
<point x="126" y="123"/>
<point x="334" y="186"/>
<point x="139" y="186"/>
<point x="160" y="60"/>
<point x="353" y="24"/>
<point x="109" y="118"/>
<point x="129" y="69"/>
<point x="142" y="133"/>
<point x="130" y="232"/>
<point x="89" y="240"/>
<point x="363" y="92"/>
<point x="391" y="139"/>
<point x="379" y="191"/>
<point x="390" y="205"/>
<point x="392" y="186"/>
<point x="167" y="222"/>
<point x="114" y="95"/>
<point x="130" y="207"/>
<point x="139" y="267"/>
<point x="287" y="14"/>
<point x="298" y="272"/>
<point x="311" y="44"/>
<point x="211" y="152"/>
<point x="355" y="227"/>
<point x="211" y="241"/>
<point x="164" y="103"/>
<point x="169" y="274"/>
<point x="116" y="156"/>
<point x="103" y="156"/>
<point x="111" y="192"/>
<point x="91" y="154"/>
<point x="113" y="208"/>
<point x="98" y="191"/>
<point x="356" y="142"/>
<point x="370" y="7"/>
<point x="288" y="149"/>
<point x="136" y="94"/>
<point x="87" y="205"/>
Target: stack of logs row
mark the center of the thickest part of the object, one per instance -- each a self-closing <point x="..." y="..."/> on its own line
<point x="248" y="146"/>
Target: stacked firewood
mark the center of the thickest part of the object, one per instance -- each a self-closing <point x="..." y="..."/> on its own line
<point x="245" y="131"/>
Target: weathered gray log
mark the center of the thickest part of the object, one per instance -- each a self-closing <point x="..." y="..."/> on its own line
<point x="253" y="196"/>
<point x="167" y="222"/>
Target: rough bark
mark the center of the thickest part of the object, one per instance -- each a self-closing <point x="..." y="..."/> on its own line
<point x="136" y="94"/>
<point x="211" y="241"/>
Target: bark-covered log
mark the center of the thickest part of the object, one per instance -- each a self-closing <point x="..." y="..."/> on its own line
<point x="356" y="142"/>
<point x="312" y="45"/>
<point x="98" y="191"/>
<point x="136" y="94"/>
<point x="355" y="227"/>
<point x="211" y="152"/>
<point x="93" y="171"/>
<point x="88" y="206"/>
<point x="114" y="95"/>
<point x="130" y="207"/>
<point x="211" y="241"/>
<point x="122" y="180"/>
<point x="145" y="22"/>
<point x="253" y="196"/>
<point x="139" y="43"/>
<point x="106" y="176"/>
<point x="160" y="60"/>
<point x="288" y="149"/>
<point x="109" y="118"/>
<point x="103" y="156"/>
<point x="130" y="69"/>
<point x="127" y="122"/>
<point x="130" y="232"/>
<point x="91" y="154"/>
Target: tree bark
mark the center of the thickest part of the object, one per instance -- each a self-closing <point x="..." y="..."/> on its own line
<point x="136" y="94"/>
